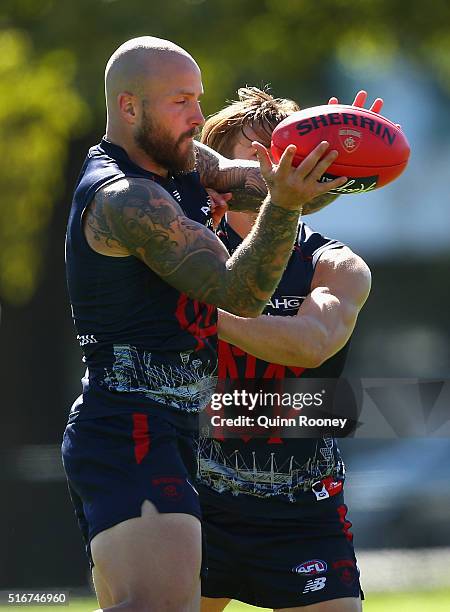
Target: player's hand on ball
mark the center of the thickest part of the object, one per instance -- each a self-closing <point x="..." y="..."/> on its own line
<point x="360" y="100"/>
<point x="291" y="187"/>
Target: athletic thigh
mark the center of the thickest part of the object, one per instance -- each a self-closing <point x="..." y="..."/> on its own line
<point x="153" y="559"/>
<point x="104" y="596"/>
<point x="130" y="481"/>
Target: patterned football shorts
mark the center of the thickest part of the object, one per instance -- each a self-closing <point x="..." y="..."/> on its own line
<point x="114" y="464"/>
<point x="280" y="563"/>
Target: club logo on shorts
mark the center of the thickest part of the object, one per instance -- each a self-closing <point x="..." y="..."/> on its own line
<point x="347" y="571"/>
<point x="310" y="568"/>
<point x="350" y="139"/>
<point x="170" y="487"/>
<point x="315" y="585"/>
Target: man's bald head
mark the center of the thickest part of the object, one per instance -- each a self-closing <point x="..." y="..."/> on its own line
<point x="152" y="96"/>
<point x="137" y="63"/>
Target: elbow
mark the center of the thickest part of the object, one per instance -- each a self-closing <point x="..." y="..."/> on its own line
<point x="314" y="354"/>
<point x="321" y="351"/>
<point x="317" y="360"/>
<point x="314" y="359"/>
<point x="303" y="357"/>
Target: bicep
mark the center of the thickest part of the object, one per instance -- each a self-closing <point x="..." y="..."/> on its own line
<point x="143" y="220"/>
<point x="339" y="289"/>
<point x="344" y="275"/>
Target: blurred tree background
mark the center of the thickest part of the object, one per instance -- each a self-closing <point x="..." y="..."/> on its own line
<point x="52" y="58"/>
<point x="53" y="53"/>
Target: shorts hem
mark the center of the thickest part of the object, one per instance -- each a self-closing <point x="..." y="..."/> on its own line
<point x="131" y="515"/>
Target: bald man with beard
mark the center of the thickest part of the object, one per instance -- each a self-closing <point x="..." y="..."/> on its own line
<point x="145" y="278"/>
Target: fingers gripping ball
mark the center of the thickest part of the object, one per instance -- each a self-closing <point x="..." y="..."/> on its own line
<point x="373" y="151"/>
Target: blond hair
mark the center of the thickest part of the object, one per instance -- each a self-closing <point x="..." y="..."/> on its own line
<point x="256" y="109"/>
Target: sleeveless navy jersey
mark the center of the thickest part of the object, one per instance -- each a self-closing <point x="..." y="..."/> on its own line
<point x="245" y="470"/>
<point x="145" y="344"/>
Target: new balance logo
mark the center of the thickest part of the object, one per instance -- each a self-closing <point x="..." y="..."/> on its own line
<point x="315" y="585"/>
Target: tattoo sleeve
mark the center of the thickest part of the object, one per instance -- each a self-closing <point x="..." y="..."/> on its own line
<point x="318" y="203"/>
<point x="141" y="219"/>
<point x="241" y="177"/>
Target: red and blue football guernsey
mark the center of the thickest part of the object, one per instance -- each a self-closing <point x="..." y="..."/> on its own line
<point x="238" y="472"/>
<point x="144" y="343"/>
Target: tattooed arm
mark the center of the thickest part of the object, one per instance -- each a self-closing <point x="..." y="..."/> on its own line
<point x="243" y="179"/>
<point x="138" y="217"/>
<point x="318" y="203"/>
<point x="240" y="177"/>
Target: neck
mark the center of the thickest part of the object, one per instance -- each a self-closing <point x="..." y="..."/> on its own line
<point x="137" y="155"/>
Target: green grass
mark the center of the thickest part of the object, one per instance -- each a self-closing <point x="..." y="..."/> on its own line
<point x="437" y="601"/>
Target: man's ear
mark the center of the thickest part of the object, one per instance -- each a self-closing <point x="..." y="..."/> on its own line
<point x="127" y="104"/>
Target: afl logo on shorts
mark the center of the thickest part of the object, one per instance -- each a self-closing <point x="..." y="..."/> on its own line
<point x="311" y="568"/>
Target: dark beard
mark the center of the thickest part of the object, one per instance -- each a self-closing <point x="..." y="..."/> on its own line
<point x="163" y="149"/>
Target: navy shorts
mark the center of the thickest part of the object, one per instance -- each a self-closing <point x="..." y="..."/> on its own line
<point x="113" y="464"/>
<point x="281" y="563"/>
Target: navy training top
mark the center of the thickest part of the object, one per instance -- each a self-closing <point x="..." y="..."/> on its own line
<point x="238" y="473"/>
<point x="144" y="343"/>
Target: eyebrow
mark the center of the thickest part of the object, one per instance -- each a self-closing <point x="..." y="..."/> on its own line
<point x="186" y="92"/>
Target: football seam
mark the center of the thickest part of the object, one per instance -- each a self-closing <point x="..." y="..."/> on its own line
<point x="335" y="163"/>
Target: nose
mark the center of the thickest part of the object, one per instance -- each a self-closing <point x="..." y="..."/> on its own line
<point x="198" y="119"/>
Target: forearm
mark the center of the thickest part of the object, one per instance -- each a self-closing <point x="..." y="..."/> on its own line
<point x="318" y="203"/>
<point x="291" y="341"/>
<point x="321" y="328"/>
<point x="248" y="199"/>
<point x="255" y="268"/>
<point x="240" y="177"/>
<point x="323" y="324"/>
<point x="243" y="179"/>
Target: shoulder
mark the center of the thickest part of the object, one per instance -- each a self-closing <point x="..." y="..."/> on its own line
<point x="125" y="212"/>
<point x="345" y="271"/>
<point x="130" y="187"/>
<point x="342" y="258"/>
<point x="135" y="198"/>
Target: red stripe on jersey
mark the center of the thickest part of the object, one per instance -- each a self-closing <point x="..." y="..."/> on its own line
<point x="141" y="436"/>
<point x="342" y="511"/>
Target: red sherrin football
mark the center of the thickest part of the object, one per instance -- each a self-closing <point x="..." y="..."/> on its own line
<point x="373" y="151"/>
